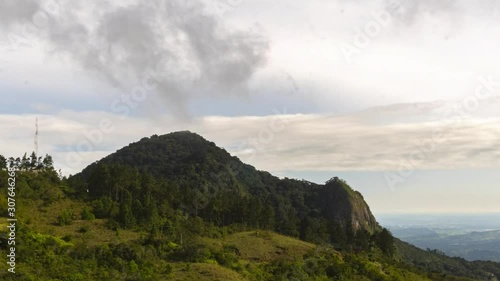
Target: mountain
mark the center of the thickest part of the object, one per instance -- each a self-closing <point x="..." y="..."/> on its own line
<point x="436" y="261"/>
<point x="202" y="180"/>
<point x="477" y="245"/>
<point x="470" y="236"/>
<point x="208" y="171"/>
<point x="177" y="207"/>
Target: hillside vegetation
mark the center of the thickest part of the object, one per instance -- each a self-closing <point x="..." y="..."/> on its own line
<point x="177" y="207"/>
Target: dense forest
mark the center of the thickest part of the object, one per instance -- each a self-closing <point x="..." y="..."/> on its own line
<point x="177" y="207"/>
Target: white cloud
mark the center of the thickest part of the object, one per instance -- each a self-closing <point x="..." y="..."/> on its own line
<point x="378" y="139"/>
<point x="429" y="51"/>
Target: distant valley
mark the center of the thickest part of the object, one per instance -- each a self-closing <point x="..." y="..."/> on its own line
<point x="472" y="237"/>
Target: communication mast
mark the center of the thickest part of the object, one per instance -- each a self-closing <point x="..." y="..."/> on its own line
<point x="36" y="137"/>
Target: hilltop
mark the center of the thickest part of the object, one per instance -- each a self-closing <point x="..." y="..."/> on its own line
<point x="191" y="165"/>
<point x="177" y="207"/>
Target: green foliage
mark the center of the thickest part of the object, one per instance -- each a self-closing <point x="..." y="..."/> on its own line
<point x="3" y="162"/>
<point x="45" y="257"/>
<point x="3" y="204"/>
<point x="104" y="207"/>
<point x="434" y="262"/>
<point x="65" y="218"/>
<point x="228" y="257"/>
<point x="83" y="229"/>
<point x="385" y="241"/>
<point x="87" y="215"/>
<point x="200" y="214"/>
<point x="126" y="216"/>
<point x="31" y="163"/>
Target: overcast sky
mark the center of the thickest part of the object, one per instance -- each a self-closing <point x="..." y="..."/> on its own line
<point x="400" y="98"/>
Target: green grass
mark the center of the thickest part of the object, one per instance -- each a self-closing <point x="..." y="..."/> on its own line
<point x="263" y="246"/>
<point x="255" y="249"/>
<point x="203" y="271"/>
<point x="43" y="219"/>
<point x="3" y="224"/>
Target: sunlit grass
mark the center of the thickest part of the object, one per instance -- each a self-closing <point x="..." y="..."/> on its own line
<point x="43" y="219"/>
<point x="203" y="271"/>
<point x="263" y="246"/>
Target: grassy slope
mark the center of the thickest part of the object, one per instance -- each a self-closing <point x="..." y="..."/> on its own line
<point x="43" y="219"/>
<point x="253" y="247"/>
<point x="203" y="271"/>
<point x="263" y="246"/>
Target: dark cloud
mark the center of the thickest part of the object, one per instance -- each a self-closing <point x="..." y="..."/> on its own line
<point x="189" y="51"/>
<point x="16" y="10"/>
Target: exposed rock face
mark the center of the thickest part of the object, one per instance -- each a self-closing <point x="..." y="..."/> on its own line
<point x="342" y="204"/>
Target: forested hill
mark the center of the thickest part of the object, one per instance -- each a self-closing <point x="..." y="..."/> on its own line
<point x="182" y="173"/>
<point x="204" y="180"/>
<point x="177" y="207"/>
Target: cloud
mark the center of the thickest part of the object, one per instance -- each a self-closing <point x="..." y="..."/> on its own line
<point x="15" y="10"/>
<point x="410" y="12"/>
<point x="209" y="56"/>
<point x="285" y="142"/>
<point x="176" y="48"/>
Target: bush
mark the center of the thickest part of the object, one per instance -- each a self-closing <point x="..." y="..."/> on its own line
<point x="168" y="269"/>
<point x="105" y="208"/>
<point x="3" y="204"/>
<point x="192" y="253"/>
<point x="83" y="229"/>
<point x="51" y="194"/>
<point x="67" y="238"/>
<point x="87" y="215"/>
<point x="66" y="218"/>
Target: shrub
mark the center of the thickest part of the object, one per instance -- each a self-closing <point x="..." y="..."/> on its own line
<point x="87" y="215"/>
<point x="168" y="269"/>
<point x="105" y="208"/>
<point x="83" y="229"/>
<point x="66" y="218"/>
<point x="67" y="238"/>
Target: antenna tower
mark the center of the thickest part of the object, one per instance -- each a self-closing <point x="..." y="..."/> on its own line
<point x="36" y="137"/>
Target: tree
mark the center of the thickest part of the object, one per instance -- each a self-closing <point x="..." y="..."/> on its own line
<point x="99" y="182"/>
<point x="3" y="162"/>
<point x="338" y="235"/>
<point x="14" y="163"/>
<point x="48" y="163"/>
<point x="152" y="213"/>
<point x="362" y="240"/>
<point x="105" y="207"/>
<point x="33" y="161"/>
<point x="24" y="163"/>
<point x="385" y="241"/>
<point x="127" y="217"/>
<point x="268" y="216"/>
